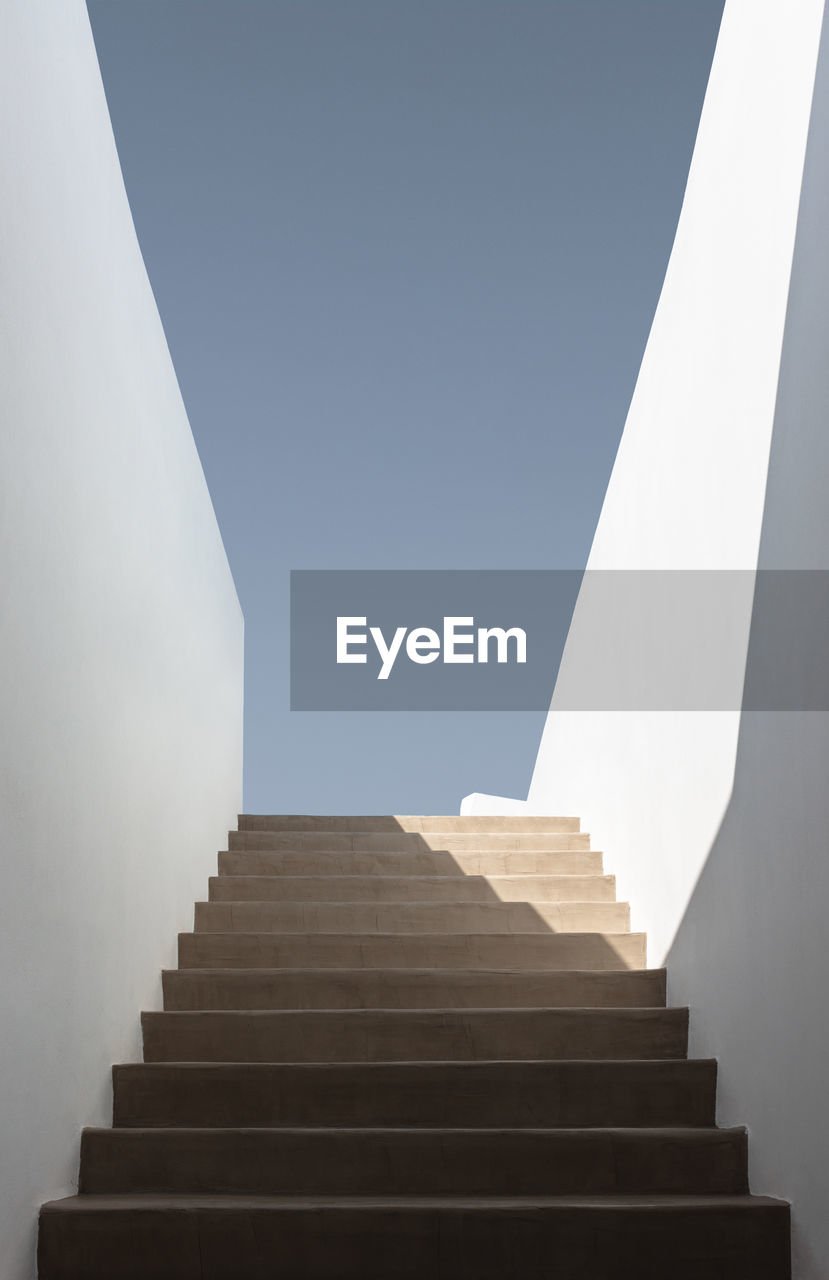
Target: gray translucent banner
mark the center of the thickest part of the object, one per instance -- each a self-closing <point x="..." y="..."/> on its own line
<point x="515" y="640"/>
<point x="537" y="602"/>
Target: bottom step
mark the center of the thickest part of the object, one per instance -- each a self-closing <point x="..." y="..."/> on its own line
<point x="487" y="1238"/>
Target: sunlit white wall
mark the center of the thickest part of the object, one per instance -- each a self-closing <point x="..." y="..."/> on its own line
<point x="750" y="954"/>
<point x="689" y="482"/>
<point x="120" y="631"/>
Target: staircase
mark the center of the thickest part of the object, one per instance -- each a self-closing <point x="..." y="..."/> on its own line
<point x="401" y="1048"/>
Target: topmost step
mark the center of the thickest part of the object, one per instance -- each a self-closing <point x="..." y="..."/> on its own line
<point x="402" y="823"/>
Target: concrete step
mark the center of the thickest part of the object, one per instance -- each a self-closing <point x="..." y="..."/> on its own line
<point x="434" y="1035"/>
<point x="471" y="1238"/>
<point x="404" y="842"/>
<point x="364" y="1162"/>
<point x="411" y="917"/>
<point x="412" y="1047"/>
<point x="552" y="951"/>
<point x="376" y="888"/>
<point x="422" y="862"/>
<point x="562" y="1094"/>
<point x="410" y="989"/>
<point x="405" y="822"/>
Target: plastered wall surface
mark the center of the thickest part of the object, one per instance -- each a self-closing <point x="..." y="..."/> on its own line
<point x="688" y="486"/>
<point x="120" y="631"/>
<point x="750" y="953"/>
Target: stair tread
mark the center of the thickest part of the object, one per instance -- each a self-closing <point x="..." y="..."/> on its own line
<point x="408" y="842"/>
<point x="432" y="862"/>
<point x="679" y="1132"/>
<point x="389" y="841"/>
<point x="424" y="876"/>
<point x="484" y="1203"/>
<point x="420" y="1064"/>
<point x="407" y="902"/>
<point x="446" y="890"/>
<point x="437" y="971"/>
<point x="442" y="1011"/>
<point x="419" y="934"/>
<point x="393" y="821"/>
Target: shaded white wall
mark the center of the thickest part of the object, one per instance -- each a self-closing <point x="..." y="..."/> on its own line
<point x="120" y="631"/>
<point x="716" y="823"/>
<point x="751" y="955"/>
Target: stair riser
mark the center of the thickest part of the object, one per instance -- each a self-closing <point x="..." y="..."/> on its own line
<point x="404" y="989"/>
<point x="411" y="917"/>
<point x="584" y="1242"/>
<point x="553" y="952"/>
<point x="501" y="1094"/>
<point x="443" y="889"/>
<point x="419" y="1162"/>
<point x="390" y="842"/>
<point x="311" y="862"/>
<point x="415" y="1036"/>
<point x="407" y="822"/>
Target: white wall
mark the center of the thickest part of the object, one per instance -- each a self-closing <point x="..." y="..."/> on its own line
<point x="750" y="954"/>
<point x="688" y="484"/>
<point x="717" y="822"/>
<point x="120" y="631"/>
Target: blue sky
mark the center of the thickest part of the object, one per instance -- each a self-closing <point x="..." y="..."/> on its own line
<point x="406" y="253"/>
